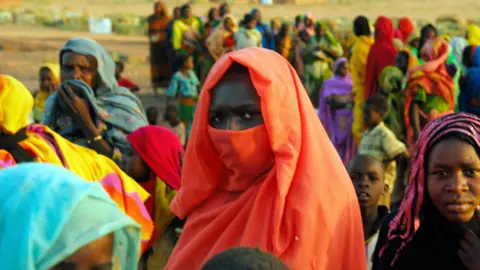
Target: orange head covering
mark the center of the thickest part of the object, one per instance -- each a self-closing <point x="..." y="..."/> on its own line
<point x="303" y="209"/>
<point x="406" y="28"/>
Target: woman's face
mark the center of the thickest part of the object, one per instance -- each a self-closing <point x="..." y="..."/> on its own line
<point x="95" y="255"/>
<point x="228" y="24"/>
<point x="235" y="104"/>
<point x="47" y="80"/>
<point x="252" y="24"/>
<point x="80" y="67"/>
<point x="135" y="167"/>
<point x="342" y="69"/>
<point x="453" y="179"/>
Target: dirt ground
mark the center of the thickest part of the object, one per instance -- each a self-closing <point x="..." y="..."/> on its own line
<point x="24" y="48"/>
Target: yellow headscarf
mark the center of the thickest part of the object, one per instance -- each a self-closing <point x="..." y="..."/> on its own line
<point x="42" y="96"/>
<point x="473" y="33"/>
<point x="17" y="102"/>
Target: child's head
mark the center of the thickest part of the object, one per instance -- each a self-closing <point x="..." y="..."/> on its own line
<point x="185" y="61"/>
<point x="152" y="115"/>
<point x="367" y="174"/>
<point x="401" y="61"/>
<point x="119" y="68"/>
<point x="244" y="259"/>
<point x="375" y="110"/>
<point x="249" y="21"/>
<point x="171" y="115"/>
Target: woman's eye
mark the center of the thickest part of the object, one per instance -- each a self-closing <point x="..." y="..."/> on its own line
<point x="216" y="118"/>
<point x="247" y="116"/>
<point x="470" y="172"/>
<point x="440" y="173"/>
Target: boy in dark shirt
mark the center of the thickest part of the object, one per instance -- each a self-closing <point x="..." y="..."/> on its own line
<point x="368" y="178"/>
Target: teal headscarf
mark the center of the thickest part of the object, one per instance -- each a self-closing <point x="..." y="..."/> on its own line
<point x="47" y="213"/>
<point x="115" y="105"/>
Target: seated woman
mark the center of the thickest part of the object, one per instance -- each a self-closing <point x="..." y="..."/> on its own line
<point x="469" y="100"/>
<point x="260" y="171"/>
<point x="49" y="83"/>
<point x="91" y="109"/>
<point x="336" y="103"/>
<point x="430" y="91"/>
<point x="20" y="142"/>
<point x="438" y="224"/>
<point x="156" y="163"/>
<point x="53" y="219"/>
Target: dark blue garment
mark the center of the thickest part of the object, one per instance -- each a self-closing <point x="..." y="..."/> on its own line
<point x="268" y="40"/>
<point x="471" y="87"/>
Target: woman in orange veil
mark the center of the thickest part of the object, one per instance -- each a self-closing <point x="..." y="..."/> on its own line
<point x="276" y="183"/>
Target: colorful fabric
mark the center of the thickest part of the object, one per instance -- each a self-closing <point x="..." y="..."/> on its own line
<point x="358" y="67"/>
<point x="469" y="100"/>
<point x="391" y="83"/>
<point x="268" y="40"/>
<point x="217" y="43"/>
<point x="473" y="34"/>
<point x="46" y="146"/>
<point x="124" y="82"/>
<point x="42" y="96"/>
<point x="228" y="207"/>
<point x="246" y="38"/>
<point x="411" y="215"/>
<point x="160" y="69"/>
<point x="430" y="85"/>
<point x="382" y="54"/>
<point x="162" y="151"/>
<point x="381" y="143"/>
<point x="117" y="110"/>
<point x="72" y="212"/>
<point x="338" y="121"/>
<point x="186" y="35"/>
<point x="405" y="28"/>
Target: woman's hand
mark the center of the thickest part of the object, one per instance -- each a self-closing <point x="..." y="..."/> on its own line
<point x="78" y="108"/>
<point x="469" y="251"/>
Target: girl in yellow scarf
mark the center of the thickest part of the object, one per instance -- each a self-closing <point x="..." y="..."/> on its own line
<point x="49" y="82"/>
<point x="20" y="142"/>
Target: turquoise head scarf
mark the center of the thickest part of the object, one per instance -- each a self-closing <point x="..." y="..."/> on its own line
<point x="47" y="213"/>
<point x="121" y="110"/>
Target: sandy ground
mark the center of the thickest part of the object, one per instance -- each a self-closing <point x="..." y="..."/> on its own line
<point x="24" y="48"/>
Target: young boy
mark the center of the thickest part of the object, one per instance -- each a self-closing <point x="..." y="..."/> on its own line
<point x="367" y="174"/>
<point x="379" y="141"/>
<point x="172" y="121"/>
<point x="244" y="259"/>
<point x="124" y="82"/>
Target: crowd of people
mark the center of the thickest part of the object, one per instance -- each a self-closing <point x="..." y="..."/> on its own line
<point x="280" y="147"/>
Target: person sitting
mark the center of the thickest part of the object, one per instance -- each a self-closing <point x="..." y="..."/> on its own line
<point x="367" y="174"/>
<point x="171" y="120"/>
<point x="438" y="224"/>
<point x="91" y="109"/>
<point x="122" y="81"/>
<point x="53" y="219"/>
<point x="244" y="259"/>
<point x="379" y="141"/>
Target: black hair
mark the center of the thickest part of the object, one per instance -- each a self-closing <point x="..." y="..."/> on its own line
<point x="181" y="59"/>
<point x="248" y="18"/>
<point x="405" y="55"/>
<point x="152" y="111"/>
<point x="222" y="9"/>
<point x="298" y="19"/>
<point x="170" y="108"/>
<point x="120" y="64"/>
<point x="361" y="26"/>
<point x="211" y="14"/>
<point x="424" y="33"/>
<point x="184" y="9"/>
<point x="303" y="33"/>
<point x="467" y="56"/>
<point x="244" y="259"/>
<point x="283" y="32"/>
<point x="379" y="104"/>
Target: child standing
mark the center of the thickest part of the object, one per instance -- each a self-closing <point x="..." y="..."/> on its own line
<point x="379" y="141"/>
<point x="184" y="87"/>
<point x="367" y="174"/>
<point x="171" y="120"/>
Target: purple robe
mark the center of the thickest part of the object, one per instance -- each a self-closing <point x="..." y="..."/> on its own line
<point x="342" y="138"/>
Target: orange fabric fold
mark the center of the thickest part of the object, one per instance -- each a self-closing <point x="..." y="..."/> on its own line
<point x="303" y="209"/>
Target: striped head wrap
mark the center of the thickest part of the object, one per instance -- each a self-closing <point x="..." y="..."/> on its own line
<point x="407" y="221"/>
